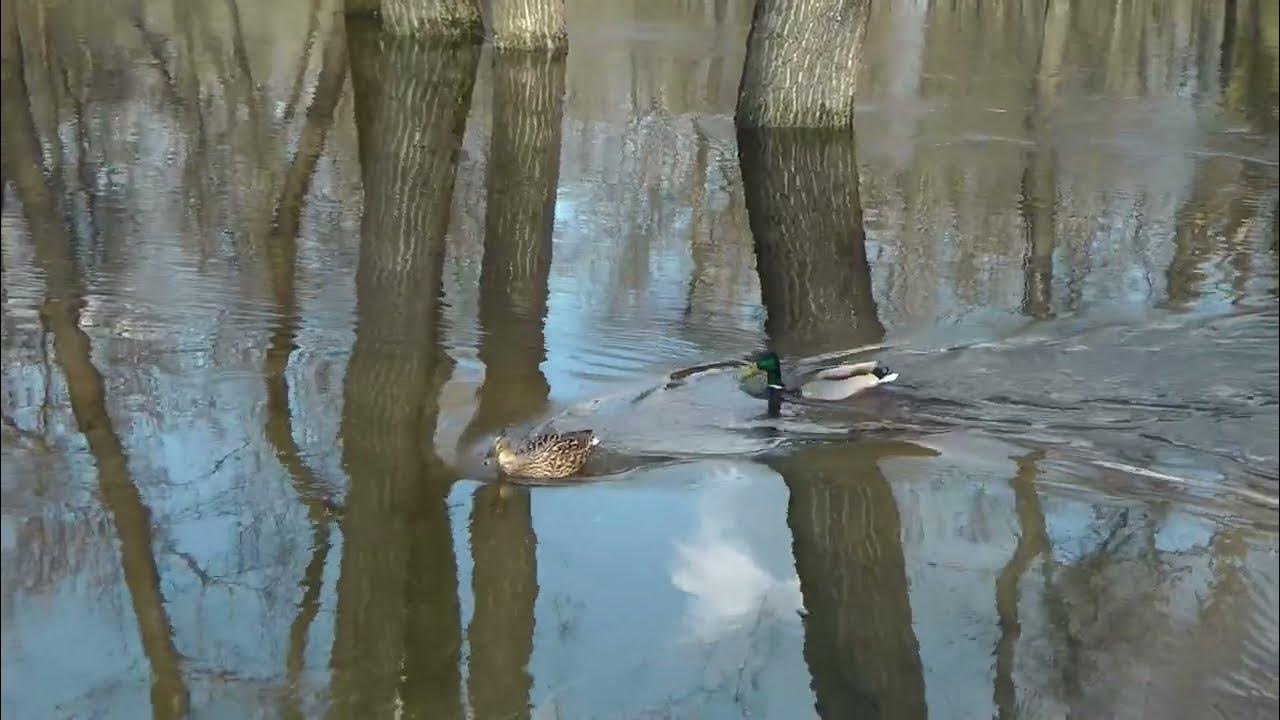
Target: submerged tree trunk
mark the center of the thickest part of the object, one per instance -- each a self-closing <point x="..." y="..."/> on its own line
<point x="361" y="7"/>
<point x="859" y="643"/>
<point x="806" y="217"/>
<point x="64" y="298"/>
<point x="528" y="25"/>
<point x="524" y="168"/>
<point x="802" y="62"/>
<point x="436" y="18"/>
<point x="1039" y="200"/>
<point x="396" y="633"/>
<point x="505" y="586"/>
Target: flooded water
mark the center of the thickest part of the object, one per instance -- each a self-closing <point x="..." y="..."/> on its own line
<point x="273" y="282"/>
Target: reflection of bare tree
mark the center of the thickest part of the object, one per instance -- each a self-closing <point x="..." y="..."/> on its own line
<point x="396" y="636"/>
<point x="1215" y="221"/>
<point x="700" y="249"/>
<point x="859" y="643"/>
<point x="1252" y="87"/>
<point x="1039" y="189"/>
<point x="806" y="216"/>
<point x="1033" y="541"/>
<point x="282" y="255"/>
<point x="65" y="296"/>
<point x="1038" y="222"/>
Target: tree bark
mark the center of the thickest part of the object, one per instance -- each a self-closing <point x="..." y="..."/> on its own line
<point x="458" y="19"/>
<point x="359" y="8"/>
<point x="524" y="168"/>
<point x="528" y="25"/>
<point x="806" y="215"/>
<point x="397" y="635"/>
<point x="862" y="652"/>
<point x="64" y="298"/>
<point x="802" y="63"/>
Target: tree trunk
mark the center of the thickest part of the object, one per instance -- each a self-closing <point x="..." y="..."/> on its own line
<point x="435" y="18"/>
<point x="528" y="25"/>
<point x="397" y="634"/>
<point x="806" y="217"/>
<point x="357" y="8"/>
<point x="862" y="652"/>
<point x="802" y="63"/>
<point x="524" y="168"/>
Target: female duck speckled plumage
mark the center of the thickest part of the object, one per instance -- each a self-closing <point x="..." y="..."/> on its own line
<point x="545" y="456"/>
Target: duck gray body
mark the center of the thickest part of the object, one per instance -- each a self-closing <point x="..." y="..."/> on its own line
<point x="838" y="382"/>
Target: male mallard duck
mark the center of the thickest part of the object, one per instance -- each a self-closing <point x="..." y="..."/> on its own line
<point x="546" y="456"/>
<point x="763" y="378"/>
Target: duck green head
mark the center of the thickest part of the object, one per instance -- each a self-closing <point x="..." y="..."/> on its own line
<point x="769" y="364"/>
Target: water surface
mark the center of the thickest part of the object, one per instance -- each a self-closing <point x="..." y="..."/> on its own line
<point x="273" y="281"/>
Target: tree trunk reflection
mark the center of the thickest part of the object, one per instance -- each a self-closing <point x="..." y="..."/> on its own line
<point x="1033" y="541"/>
<point x="396" y="637"/>
<point x="282" y="252"/>
<point x="858" y="639"/>
<point x="64" y="298"/>
<point x="505" y="583"/>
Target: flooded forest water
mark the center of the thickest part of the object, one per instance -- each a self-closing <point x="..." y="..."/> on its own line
<point x="273" y="281"/>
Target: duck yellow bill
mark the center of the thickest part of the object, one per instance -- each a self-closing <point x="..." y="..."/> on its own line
<point x="747" y="372"/>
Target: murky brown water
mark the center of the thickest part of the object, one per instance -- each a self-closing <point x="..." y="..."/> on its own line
<point x="271" y="283"/>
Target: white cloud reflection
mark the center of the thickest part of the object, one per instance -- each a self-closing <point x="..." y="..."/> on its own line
<point x="736" y="570"/>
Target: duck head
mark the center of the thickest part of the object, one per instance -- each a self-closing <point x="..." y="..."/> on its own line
<point x="767" y="363"/>
<point x="501" y="451"/>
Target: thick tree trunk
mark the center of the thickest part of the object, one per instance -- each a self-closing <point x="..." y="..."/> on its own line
<point x="397" y="634"/>
<point x="528" y="25"/>
<point x="64" y="297"/>
<point x="524" y="167"/>
<point x="434" y="18"/>
<point x="862" y="652"/>
<point x="806" y="216"/>
<point x="802" y="62"/>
